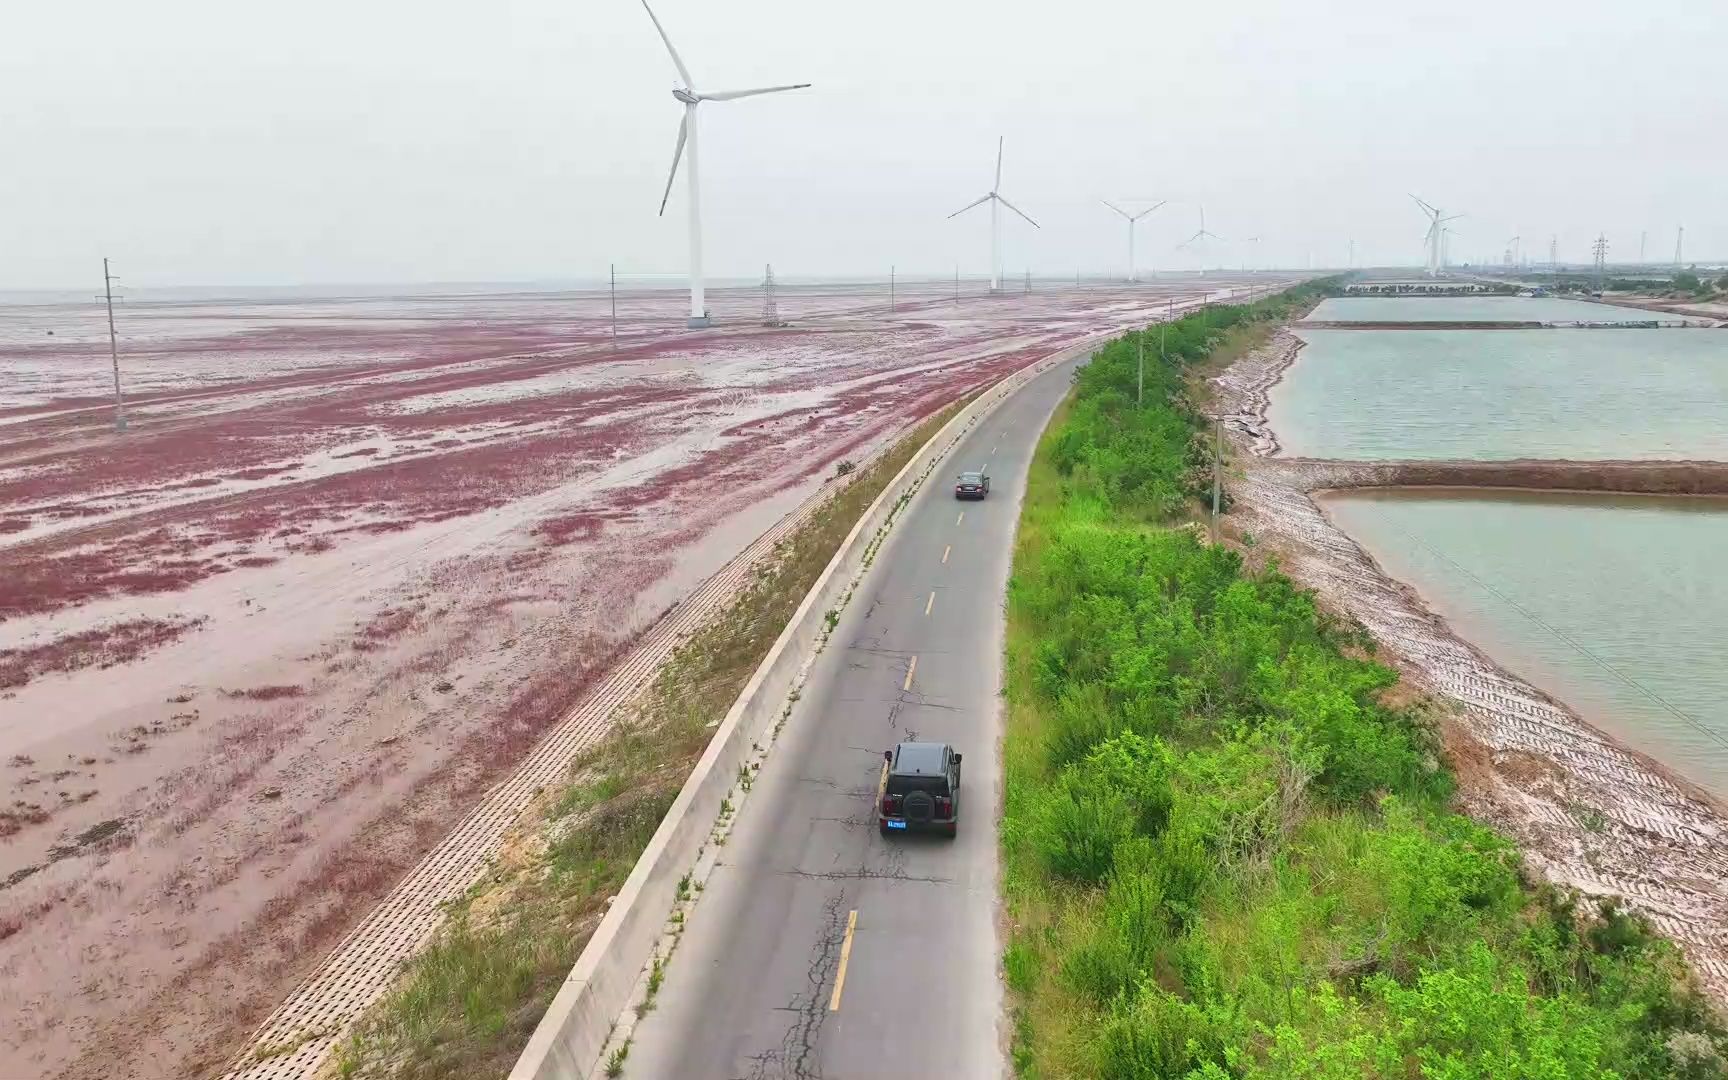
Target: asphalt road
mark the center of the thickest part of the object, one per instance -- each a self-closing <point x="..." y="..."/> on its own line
<point x="819" y="948"/>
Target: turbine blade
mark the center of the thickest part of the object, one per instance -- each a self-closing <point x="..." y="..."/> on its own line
<point x="1116" y="208"/>
<point x="677" y="62"/>
<point x="970" y="205"/>
<point x="1426" y="208"/>
<point x="1148" y="210"/>
<point x="998" y="185"/>
<point x="1016" y="209"/>
<point x="677" y="156"/>
<point x="734" y="95"/>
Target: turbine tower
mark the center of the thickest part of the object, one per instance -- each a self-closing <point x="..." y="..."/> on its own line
<point x="996" y="201"/>
<point x="1434" y="238"/>
<point x="1679" y="235"/>
<point x="1133" y="273"/>
<point x="690" y="97"/>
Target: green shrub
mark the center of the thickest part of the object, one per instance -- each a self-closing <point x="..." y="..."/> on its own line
<point x="1154" y="1035"/>
<point x="1077" y="827"/>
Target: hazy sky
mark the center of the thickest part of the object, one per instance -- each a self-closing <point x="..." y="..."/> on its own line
<point x="214" y="142"/>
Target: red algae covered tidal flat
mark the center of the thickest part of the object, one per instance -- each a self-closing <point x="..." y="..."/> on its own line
<point x="352" y="557"/>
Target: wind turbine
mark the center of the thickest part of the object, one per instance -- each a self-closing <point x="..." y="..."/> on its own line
<point x="1433" y="238"/>
<point x="1133" y="275"/>
<point x="996" y="201"/>
<point x="1202" y="234"/>
<point x="690" y="97"/>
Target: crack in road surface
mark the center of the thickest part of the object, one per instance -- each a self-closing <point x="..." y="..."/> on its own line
<point x="794" y="1059"/>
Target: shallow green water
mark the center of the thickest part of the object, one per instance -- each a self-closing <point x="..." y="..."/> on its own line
<point x="1590" y="394"/>
<point x="1472" y="309"/>
<point x="1616" y="605"/>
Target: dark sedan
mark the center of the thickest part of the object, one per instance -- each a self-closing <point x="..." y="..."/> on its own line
<point x="972" y="485"/>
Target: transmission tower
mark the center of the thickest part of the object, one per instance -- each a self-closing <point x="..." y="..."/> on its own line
<point x="1643" y="236"/>
<point x="1679" y="235"/>
<point x="1554" y="252"/>
<point x="1600" y="250"/>
<point x="770" y="309"/>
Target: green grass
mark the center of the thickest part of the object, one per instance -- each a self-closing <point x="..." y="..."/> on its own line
<point x="1224" y="855"/>
<point x="468" y="1002"/>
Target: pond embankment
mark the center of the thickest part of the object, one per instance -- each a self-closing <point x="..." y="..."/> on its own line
<point x="1589" y="812"/>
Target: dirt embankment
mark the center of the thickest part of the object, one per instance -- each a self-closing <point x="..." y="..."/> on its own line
<point x="1629" y="477"/>
<point x="1588" y="812"/>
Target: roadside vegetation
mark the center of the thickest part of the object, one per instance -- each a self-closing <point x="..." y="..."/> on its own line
<point x="1229" y="846"/>
<point x="466" y="1005"/>
<point x="1679" y="285"/>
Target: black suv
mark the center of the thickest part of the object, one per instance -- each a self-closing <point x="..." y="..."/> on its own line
<point x="920" y="789"/>
<point x="972" y="485"/>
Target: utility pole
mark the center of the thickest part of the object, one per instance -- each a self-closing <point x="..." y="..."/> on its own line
<point x="613" y="269"/>
<point x="1217" y="473"/>
<point x="113" y="348"/>
<point x="1140" y="377"/>
<point x="1679" y="235"/>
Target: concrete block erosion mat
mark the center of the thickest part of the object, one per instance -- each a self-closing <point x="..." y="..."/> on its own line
<point x="1231" y="842"/>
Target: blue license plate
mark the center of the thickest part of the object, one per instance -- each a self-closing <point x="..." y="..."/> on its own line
<point x="896" y="824"/>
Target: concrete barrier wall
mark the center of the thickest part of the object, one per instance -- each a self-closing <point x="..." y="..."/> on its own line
<point x="571" y="1036"/>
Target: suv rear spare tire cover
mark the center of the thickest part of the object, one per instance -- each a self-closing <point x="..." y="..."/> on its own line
<point x="919" y="807"/>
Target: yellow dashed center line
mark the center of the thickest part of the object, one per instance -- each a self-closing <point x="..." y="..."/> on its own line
<point x="945" y="552"/>
<point x="930" y="603"/>
<point x="845" y="957"/>
<point x="911" y="669"/>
